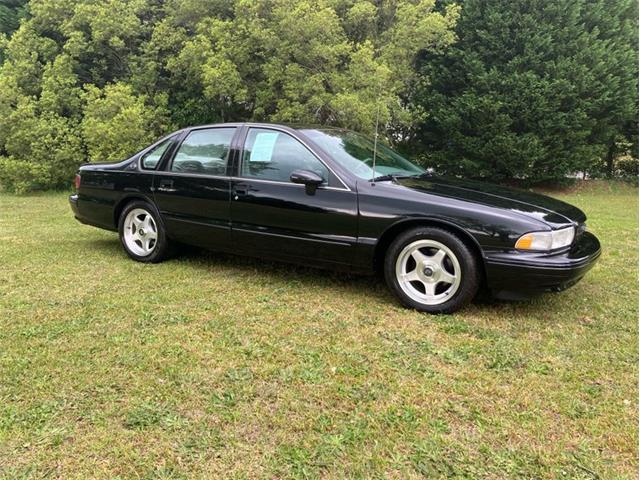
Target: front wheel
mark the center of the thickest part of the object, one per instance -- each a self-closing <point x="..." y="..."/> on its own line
<point x="431" y="270"/>
<point x="142" y="234"/>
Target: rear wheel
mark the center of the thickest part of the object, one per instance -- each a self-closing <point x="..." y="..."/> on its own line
<point x="142" y="234"/>
<point x="431" y="270"/>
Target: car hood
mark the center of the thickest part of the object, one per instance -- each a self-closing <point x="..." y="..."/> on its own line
<point x="546" y="209"/>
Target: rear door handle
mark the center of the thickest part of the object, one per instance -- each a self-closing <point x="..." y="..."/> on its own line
<point x="166" y="186"/>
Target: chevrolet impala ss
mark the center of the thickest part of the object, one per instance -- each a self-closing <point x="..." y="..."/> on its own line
<point x="332" y="198"/>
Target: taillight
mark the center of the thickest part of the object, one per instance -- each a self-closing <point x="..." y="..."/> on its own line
<point x="77" y="183"/>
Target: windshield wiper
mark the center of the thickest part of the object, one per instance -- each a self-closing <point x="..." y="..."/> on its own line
<point x="383" y="178"/>
<point x="393" y="176"/>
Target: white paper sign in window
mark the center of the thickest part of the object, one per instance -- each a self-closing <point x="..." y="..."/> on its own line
<point x="262" y="149"/>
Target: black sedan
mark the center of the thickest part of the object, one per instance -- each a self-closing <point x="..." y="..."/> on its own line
<point x="333" y="198"/>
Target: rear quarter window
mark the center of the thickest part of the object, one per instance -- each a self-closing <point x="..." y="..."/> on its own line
<point x="151" y="159"/>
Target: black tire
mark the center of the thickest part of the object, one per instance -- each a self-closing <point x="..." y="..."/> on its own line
<point x="468" y="268"/>
<point x="162" y="248"/>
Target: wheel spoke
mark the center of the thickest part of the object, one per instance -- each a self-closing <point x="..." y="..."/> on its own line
<point x="411" y="276"/>
<point x="418" y="256"/>
<point x="439" y="257"/>
<point x="146" y="223"/>
<point x="147" y="243"/>
<point x="446" y="277"/>
<point x="430" y="288"/>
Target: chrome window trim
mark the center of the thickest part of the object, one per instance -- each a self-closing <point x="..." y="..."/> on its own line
<point x="242" y="179"/>
<point x="320" y="187"/>
<point x="305" y="144"/>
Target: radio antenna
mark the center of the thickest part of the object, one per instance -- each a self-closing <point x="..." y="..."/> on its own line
<point x="375" y="145"/>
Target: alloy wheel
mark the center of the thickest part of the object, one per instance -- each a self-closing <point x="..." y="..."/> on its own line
<point x="428" y="272"/>
<point x="140" y="232"/>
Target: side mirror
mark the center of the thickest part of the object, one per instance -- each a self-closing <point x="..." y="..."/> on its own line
<point x="309" y="179"/>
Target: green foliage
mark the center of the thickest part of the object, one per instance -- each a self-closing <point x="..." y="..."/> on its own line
<point x="533" y="89"/>
<point x="317" y="62"/>
<point x="42" y="151"/>
<point x="117" y="123"/>
<point x="11" y="11"/>
<point x="627" y="169"/>
<point x="123" y="72"/>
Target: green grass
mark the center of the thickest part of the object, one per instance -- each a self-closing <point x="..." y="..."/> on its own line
<point x="216" y="366"/>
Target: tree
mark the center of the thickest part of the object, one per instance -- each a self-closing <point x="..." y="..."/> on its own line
<point x="116" y="123"/>
<point x="320" y="62"/>
<point x="117" y="73"/>
<point x="532" y="89"/>
<point x="49" y="123"/>
<point x="11" y="12"/>
<point x="42" y="150"/>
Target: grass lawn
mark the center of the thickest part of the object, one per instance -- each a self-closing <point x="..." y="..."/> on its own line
<point x="215" y="366"/>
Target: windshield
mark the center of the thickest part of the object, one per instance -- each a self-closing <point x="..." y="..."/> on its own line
<point x="355" y="153"/>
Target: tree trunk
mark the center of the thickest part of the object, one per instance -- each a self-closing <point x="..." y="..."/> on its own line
<point x="611" y="155"/>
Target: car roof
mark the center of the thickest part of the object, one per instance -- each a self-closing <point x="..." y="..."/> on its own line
<point x="292" y="126"/>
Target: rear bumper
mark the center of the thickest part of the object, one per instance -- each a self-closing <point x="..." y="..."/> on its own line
<point x="91" y="212"/>
<point x="75" y="208"/>
<point x="515" y="274"/>
<point x="73" y="201"/>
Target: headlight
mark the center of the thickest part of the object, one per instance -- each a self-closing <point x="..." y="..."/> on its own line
<point x="546" y="240"/>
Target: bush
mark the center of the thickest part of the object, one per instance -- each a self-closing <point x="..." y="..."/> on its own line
<point x="43" y="151"/>
<point x="626" y="168"/>
<point x="21" y="176"/>
<point x="117" y="123"/>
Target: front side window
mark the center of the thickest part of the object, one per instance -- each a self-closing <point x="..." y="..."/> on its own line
<point x="151" y="159"/>
<point x="273" y="155"/>
<point x="204" y="152"/>
<point x="355" y="153"/>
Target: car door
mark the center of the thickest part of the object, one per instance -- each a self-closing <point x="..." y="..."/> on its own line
<point x="192" y="191"/>
<point x="272" y="216"/>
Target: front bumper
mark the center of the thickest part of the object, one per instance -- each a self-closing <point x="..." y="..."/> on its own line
<point x="516" y="274"/>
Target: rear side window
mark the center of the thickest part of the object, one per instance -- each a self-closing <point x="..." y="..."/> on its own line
<point x="204" y="151"/>
<point x="151" y="159"/>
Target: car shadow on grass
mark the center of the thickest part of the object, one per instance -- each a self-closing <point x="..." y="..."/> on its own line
<point x="373" y="286"/>
<point x="110" y="245"/>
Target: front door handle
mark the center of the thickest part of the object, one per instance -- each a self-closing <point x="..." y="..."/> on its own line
<point x="240" y="191"/>
<point x="166" y="186"/>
